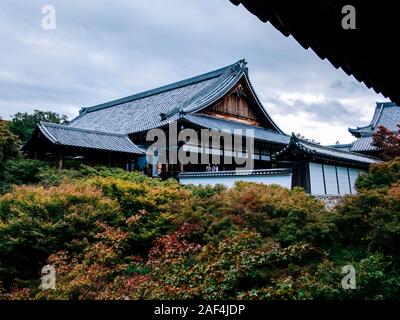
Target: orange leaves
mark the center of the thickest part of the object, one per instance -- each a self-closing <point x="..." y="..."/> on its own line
<point x="173" y="245"/>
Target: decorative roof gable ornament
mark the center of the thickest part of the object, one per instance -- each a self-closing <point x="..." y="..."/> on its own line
<point x="239" y="92"/>
<point x="239" y="67"/>
<point x="181" y="113"/>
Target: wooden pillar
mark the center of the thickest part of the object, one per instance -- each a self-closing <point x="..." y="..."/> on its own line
<point x="60" y="160"/>
<point x="272" y="161"/>
<point x="109" y="160"/>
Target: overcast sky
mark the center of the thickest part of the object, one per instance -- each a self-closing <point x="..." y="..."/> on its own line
<point x="102" y="50"/>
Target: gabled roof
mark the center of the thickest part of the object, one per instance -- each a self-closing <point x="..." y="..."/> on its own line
<point x="386" y="114"/>
<point x="214" y="123"/>
<point x="160" y="106"/>
<point x="315" y="151"/>
<point x="75" y="137"/>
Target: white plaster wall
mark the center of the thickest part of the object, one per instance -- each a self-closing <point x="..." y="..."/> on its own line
<point x="229" y="181"/>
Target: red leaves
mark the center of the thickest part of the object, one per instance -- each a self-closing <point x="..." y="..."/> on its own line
<point x="173" y="245"/>
<point x="388" y="142"/>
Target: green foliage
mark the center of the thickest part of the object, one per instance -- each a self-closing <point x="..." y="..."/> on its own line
<point x="113" y="234"/>
<point x="24" y="171"/>
<point x="9" y="143"/>
<point x="38" y="221"/>
<point x="23" y="124"/>
<point x="21" y="171"/>
<point x="148" y="204"/>
<point x="371" y="219"/>
<point x="380" y="175"/>
<point x="376" y="279"/>
<point x="50" y="176"/>
<point x="9" y="149"/>
<point x="288" y="215"/>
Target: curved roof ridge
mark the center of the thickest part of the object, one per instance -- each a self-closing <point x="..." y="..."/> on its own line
<point x="218" y="90"/>
<point x="67" y="127"/>
<point x="305" y="143"/>
<point x="83" y="138"/>
<point x="381" y="108"/>
<point x="237" y="73"/>
<point x="206" y="92"/>
<point x="377" y="114"/>
<point x="260" y="103"/>
<point x="46" y="132"/>
<point x="179" y="84"/>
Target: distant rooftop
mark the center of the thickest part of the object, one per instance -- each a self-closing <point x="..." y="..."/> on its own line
<point x="386" y="114"/>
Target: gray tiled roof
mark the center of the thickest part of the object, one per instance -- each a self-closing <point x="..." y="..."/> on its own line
<point x="325" y="152"/>
<point x="343" y="147"/>
<point x="363" y="144"/>
<point x="386" y="114"/>
<point x="214" y="123"/>
<point x="138" y="115"/>
<point x="76" y="137"/>
<point x="158" y="107"/>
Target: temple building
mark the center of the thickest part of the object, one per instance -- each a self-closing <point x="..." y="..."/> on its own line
<point x="117" y="133"/>
<point x="387" y="114"/>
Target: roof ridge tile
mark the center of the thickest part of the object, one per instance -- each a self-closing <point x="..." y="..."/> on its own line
<point x="158" y="90"/>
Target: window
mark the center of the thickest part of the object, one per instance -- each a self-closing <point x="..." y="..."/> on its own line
<point x="330" y="180"/>
<point x="316" y="179"/>
<point x="353" y="174"/>
<point x="343" y="178"/>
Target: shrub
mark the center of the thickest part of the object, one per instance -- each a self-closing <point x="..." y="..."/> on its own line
<point x="113" y="235"/>
<point x="19" y="172"/>
<point x="272" y="211"/>
<point x="36" y="222"/>
<point x="380" y="175"/>
<point x="149" y="206"/>
<point x="371" y="219"/>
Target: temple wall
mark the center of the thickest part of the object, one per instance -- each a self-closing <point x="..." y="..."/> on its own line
<point x="332" y="180"/>
<point x="229" y="181"/>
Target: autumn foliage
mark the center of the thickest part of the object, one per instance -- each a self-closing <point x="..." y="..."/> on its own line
<point x="117" y="235"/>
<point x="387" y="142"/>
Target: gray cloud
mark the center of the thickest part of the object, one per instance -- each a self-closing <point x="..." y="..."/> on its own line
<point x="103" y="49"/>
<point x="329" y="111"/>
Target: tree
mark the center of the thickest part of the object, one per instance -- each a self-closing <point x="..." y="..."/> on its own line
<point x="23" y="124"/>
<point x="388" y="142"/>
<point x="9" y="142"/>
<point x="9" y="146"/>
